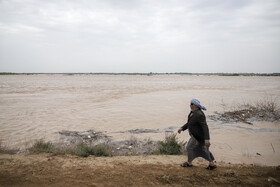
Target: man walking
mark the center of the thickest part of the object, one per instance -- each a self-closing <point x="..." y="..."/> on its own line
<point x="199" y="143"/>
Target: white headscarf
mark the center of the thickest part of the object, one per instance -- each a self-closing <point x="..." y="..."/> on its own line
<point x="196" y="102"/>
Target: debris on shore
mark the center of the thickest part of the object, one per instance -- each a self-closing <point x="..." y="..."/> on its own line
<point x="140" y="131"/>
<point x="91" y="137"/>
<point x="248" y="114"/>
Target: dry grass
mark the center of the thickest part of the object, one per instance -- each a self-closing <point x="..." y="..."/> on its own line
<point x="263" y="110"/>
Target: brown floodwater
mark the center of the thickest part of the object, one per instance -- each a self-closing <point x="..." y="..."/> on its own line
<point x="38" y="106"/>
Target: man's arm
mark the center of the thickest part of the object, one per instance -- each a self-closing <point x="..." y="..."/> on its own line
<point x="184" y="127"/>
<point x="191" y="119"/>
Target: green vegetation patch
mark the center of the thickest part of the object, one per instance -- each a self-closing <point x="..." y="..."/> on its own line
<point x="171" y="146"/>
<point x="81" y="149"/>
<point x="84" y="150"/>
<point x="40" y="146"/>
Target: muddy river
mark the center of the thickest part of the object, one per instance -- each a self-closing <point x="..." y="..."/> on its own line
<point x="39" y="106"/>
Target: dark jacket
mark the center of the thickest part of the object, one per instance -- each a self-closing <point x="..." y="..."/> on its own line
<point x="197" y="126"/>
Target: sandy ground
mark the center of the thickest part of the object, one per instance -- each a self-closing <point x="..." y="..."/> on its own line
<point x="159" y="170"/>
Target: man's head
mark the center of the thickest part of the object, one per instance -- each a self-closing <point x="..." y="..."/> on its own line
<point x="193" y="107"/>
<point x="195" y="104"/>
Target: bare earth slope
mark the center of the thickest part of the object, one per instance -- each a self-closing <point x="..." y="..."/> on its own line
<point x="66" y="170"/>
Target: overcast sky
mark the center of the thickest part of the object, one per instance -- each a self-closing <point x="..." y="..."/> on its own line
<point x="197" y="36"/>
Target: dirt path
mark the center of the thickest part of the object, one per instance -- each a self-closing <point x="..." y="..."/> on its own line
<point x="66" y="170"/>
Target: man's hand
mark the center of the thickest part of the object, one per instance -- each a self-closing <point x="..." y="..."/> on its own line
<point x="207" y="143"/>
<point x="179" y="131"/>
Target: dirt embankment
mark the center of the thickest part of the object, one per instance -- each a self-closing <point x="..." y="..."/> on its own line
<point x="66" y="170"/>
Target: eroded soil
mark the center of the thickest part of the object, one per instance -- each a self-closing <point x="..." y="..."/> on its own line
<point x="159" y="170"/>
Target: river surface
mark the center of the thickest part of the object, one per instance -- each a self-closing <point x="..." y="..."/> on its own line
<point x="38" y="106"/>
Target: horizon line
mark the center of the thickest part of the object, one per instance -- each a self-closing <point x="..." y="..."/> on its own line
<point x="143" y="73"/>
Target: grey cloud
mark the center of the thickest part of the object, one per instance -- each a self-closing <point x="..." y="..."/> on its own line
<point x="131" y="35"/>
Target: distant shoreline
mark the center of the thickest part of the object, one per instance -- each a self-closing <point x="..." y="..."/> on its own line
<point x="148" y="74"/>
